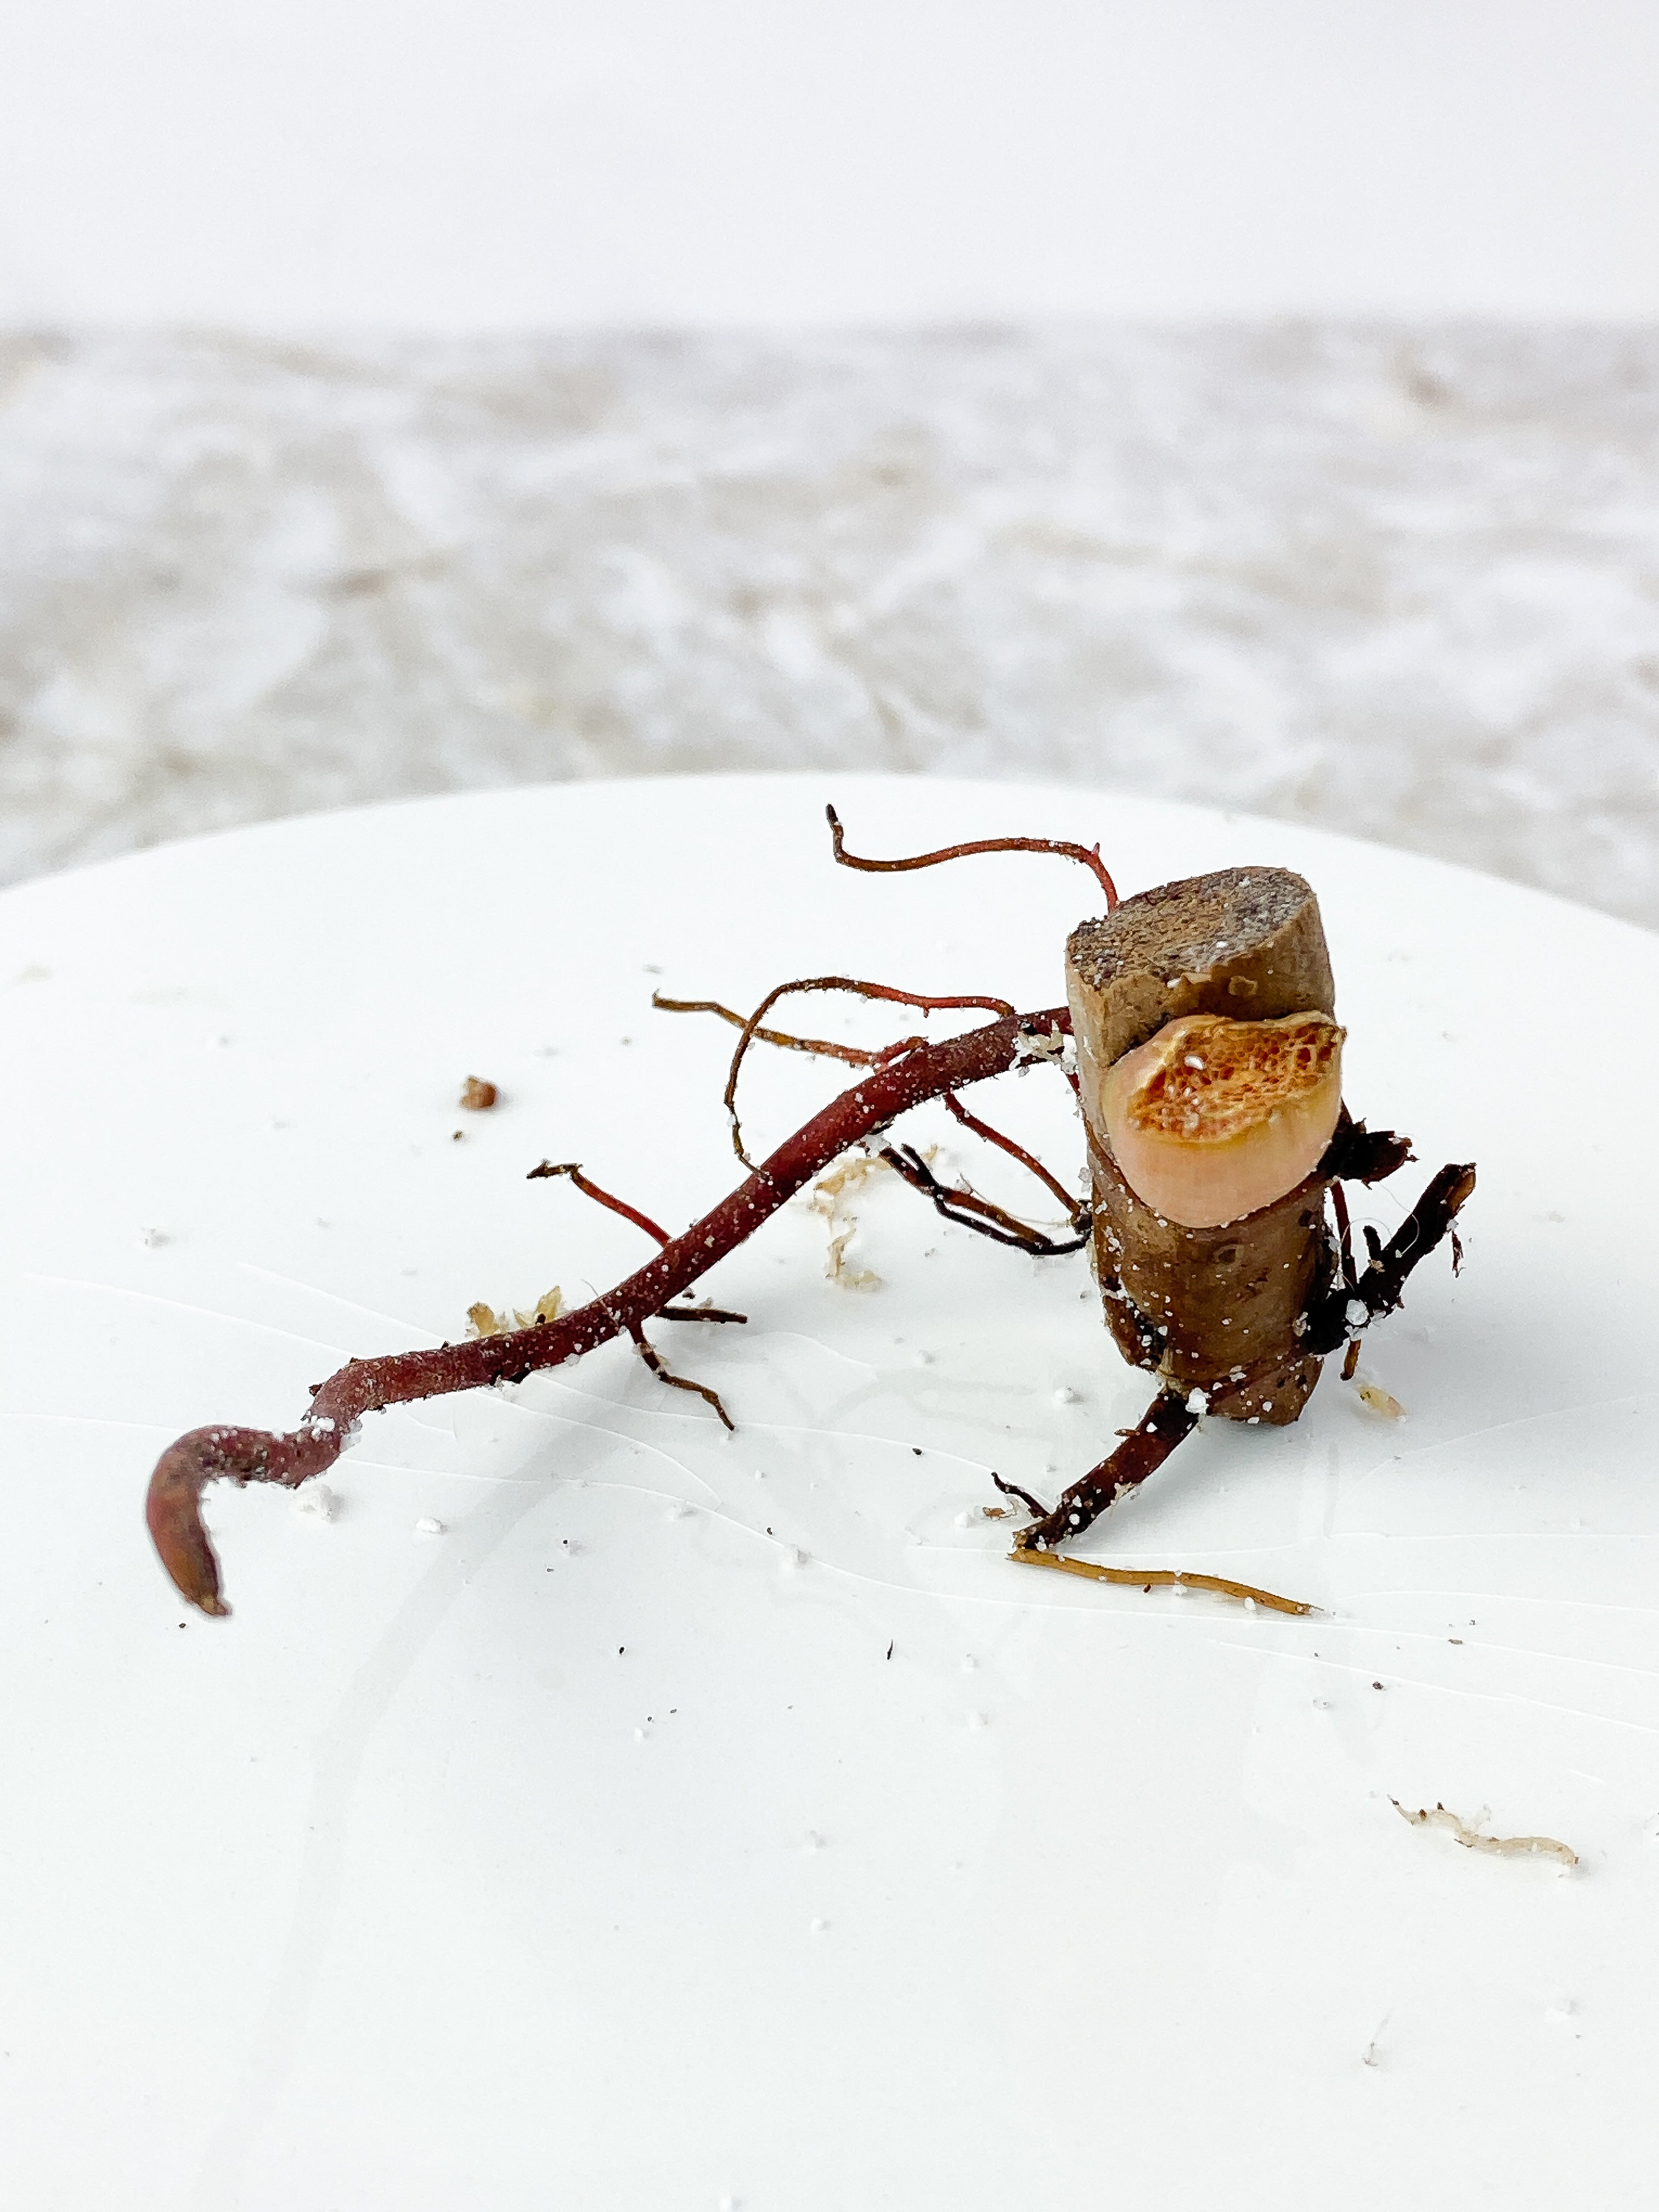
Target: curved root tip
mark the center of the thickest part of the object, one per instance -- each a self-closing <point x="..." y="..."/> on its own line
<point x="172" y="1510"/>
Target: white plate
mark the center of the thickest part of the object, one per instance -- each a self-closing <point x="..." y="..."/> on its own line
<point x="594" y="1852"/>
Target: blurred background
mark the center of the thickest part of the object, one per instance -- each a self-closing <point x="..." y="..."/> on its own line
<point x="1248" y="401"/>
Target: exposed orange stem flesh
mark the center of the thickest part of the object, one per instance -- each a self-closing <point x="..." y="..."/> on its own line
<point x="1211" y="1119"/>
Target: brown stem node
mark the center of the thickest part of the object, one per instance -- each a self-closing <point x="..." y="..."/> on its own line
<point x="1357" y="1154"/>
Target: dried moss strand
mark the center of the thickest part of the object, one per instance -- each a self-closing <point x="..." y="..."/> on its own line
<point x="172" y="1506"/>
<point x="1162" y="1577"/>
<point x="1089" y="855"/>
<point x="664" y="1373"/>
<point x="1473" y="1839"/>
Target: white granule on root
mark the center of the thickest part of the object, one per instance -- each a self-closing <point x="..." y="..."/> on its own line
<point x="1052" y="1048"/>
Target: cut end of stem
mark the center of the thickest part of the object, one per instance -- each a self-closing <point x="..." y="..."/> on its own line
<point x="1212" y="1119"/>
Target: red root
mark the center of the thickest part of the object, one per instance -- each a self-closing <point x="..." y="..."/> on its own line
<point x="591" y="1189"/>
<point x="1088" y="854"/>
<point x="367" y="1386"/>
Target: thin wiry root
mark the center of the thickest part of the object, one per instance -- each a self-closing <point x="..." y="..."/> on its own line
<point x="858" y="989"/>
<point x="591" y="1189"/>
<point x="699" y="1313"/>
<point x="653" y="1360"/>
<point x="1381" y="1402"/>
<point x="1012" y="1489"/>
<point x="1088" y="854"/>
<point x="1147" y="1578"/>
<point x="1347" y="1308"/>
<point x="969" y="1211"/>
<point x="1437" y="1816"/>
<point x="855" y="1056"/>
<point x="860" y="1056"/>
<point x="1077" y="1210"/>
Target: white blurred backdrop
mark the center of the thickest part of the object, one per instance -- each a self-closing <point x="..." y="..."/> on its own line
<point x="1255" y="399"/>
<point x="504" y="164"/>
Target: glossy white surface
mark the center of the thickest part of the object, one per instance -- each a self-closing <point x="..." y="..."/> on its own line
<point x="592" y="1850"/>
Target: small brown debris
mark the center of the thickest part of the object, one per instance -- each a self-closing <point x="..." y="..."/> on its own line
<point x="477" y="1096"/>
